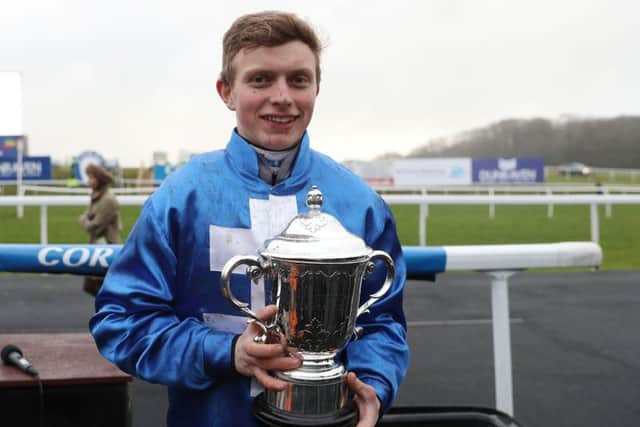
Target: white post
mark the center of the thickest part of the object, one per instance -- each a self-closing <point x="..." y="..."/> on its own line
<point x="492" y="206"/>
<point x="422" y="216"/>
<point x="607" y="209"/>
<point x="44" y="233"/>
<point x="550" y="205"/>
<point x="595" y="231"/>
<point x="19" y="191"/>
<point x="501" y="340"/>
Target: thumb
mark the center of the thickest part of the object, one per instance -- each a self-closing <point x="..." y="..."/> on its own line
<point x="267" y="313"/>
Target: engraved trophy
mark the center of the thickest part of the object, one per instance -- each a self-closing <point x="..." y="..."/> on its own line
<point x="314" y="271"/>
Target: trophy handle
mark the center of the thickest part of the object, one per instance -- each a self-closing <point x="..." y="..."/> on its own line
<point x="255" y="271"/>
<point x="391" y="270"/>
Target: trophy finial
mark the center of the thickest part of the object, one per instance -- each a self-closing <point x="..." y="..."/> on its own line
<point x="314" y="198"/>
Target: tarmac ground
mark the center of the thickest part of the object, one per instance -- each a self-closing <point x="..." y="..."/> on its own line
<point x="575" y="342"/>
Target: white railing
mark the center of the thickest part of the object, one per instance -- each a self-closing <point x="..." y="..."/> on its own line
<point x="500" y="262"/>
<point x="422" y="200"/>
<point x="84" y="190"/>
<point x="45" y="201"/>
<point x="592" y="200"/>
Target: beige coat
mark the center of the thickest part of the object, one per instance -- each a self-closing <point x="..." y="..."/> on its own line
<point x="102" y="219"/>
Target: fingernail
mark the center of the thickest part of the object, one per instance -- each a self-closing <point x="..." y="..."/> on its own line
<point x="296" y="355"/>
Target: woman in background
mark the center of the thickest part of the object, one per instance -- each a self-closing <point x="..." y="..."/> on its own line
<point x="102" y="220"/>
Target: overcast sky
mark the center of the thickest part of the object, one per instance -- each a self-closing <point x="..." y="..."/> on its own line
<point x="129" y="77"/>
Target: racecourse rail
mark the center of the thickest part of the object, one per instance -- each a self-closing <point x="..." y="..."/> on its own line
<point x="422" y="200"/>
<point x="499" y="261"/>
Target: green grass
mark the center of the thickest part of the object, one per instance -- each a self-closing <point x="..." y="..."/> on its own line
<point x="471" y="225"/>
<point x="62" y="223"/>
<point x="604" y="178"/>
<point x="446" y="225"/>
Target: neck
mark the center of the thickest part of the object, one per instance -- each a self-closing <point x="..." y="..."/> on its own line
<point x="275" y="165"/>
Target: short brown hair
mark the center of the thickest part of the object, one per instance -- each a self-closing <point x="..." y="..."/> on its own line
<point x="270" y="29"/>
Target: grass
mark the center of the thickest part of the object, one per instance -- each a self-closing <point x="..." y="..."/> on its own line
<point x="604" y="178"/>
<point x="471" y="225"/>
<point x="446" y="225"/>
<point x="62" y="223"/>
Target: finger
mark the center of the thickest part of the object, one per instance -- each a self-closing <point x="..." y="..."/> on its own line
<point x="354" y="383"/>
<point x="361" y="389"/>
<point x="264" y="350"/>
<point x="267" y="312"/>
<point x="279" y="364"/>
<point x="268" y="381"/>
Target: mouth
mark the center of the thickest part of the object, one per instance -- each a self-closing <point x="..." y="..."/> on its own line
<point x="281" y="120"/>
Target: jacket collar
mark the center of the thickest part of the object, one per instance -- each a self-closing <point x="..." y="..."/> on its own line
<point x="244" y="160"/>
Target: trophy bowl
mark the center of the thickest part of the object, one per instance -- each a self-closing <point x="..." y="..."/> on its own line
<point x="314" y="271"/>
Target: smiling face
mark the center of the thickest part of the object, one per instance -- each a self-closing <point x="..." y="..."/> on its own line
<point x="273" y="93"/>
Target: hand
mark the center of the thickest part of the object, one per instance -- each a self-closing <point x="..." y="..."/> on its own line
<point x="366" y="401"/>
<point x="254" y="359"/>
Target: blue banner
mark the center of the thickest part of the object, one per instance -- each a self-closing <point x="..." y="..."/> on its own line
<point x="507" y="171"/>
<point x="33" y="168"/>
<point x="83" y="259"/>
<point x="70" y="259"/>
<point x="9" y="146"/>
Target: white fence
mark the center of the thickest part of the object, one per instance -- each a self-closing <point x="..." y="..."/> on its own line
<point x="422" y="200"/>
<point x="499" y="261"/>
<point x="591" y="200"/>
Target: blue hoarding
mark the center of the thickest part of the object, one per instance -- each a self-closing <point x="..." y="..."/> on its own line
<point x="507" y="170"/>
<point x="34" y="168"/>
<point x="160" y="172"/>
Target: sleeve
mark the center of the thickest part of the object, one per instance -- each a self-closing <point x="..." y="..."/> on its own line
<point x="102" y="217"/>
<point x="380" y="357"/>
<point x="135" y="325"/>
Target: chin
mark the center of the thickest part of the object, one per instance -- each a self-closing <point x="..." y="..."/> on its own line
<point x="279" y="144"/>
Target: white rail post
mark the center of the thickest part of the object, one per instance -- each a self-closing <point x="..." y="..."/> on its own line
<point x="492" y="206"/>
<point x="550" y="205"/>
<point x="595" y="229"/>
<point x="607" y="209"/>
<point x="19" y="172"/>
<point x="422" y="216"/>
<point x="20" y="207"/>
<point x="501" y="340"/>
<point x="44" y="232"/>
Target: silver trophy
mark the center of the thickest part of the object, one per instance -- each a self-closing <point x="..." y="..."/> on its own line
<point x="314" y="270"/>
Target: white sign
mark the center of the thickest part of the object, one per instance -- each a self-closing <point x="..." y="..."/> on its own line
<point x="446" y="171"/>
<point x="10" y="103"/>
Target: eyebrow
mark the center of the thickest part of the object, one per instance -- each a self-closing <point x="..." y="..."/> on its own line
<point x="302" y="70"/>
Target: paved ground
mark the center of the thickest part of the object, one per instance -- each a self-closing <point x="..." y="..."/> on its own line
<point x="575" y="343"/>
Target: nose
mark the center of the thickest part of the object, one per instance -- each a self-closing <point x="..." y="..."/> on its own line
<point x="281" y="93"/>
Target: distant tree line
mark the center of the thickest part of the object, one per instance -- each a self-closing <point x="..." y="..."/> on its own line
<point x="612" y="142"/>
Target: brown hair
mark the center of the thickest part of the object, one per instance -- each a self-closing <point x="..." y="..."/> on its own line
<point x="100" y="174"/>
<point x="270" y="29"/>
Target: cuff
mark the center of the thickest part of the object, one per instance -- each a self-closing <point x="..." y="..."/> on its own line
<point x="218" y="354"/>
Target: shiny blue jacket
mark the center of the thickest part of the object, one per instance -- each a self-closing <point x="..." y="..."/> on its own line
<point x="161" y="315"/>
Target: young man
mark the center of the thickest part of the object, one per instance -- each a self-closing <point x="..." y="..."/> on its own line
<point x="161" y="315"/>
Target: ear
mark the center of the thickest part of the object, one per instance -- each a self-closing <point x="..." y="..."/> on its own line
<point x="224" y="90"/>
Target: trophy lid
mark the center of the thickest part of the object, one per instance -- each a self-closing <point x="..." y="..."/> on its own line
<point x="315" y="236"/>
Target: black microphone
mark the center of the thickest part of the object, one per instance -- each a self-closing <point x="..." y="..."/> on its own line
<point x="12" y="355"/>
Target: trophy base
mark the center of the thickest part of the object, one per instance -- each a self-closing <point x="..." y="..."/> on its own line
<point x="269" y="416"/>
